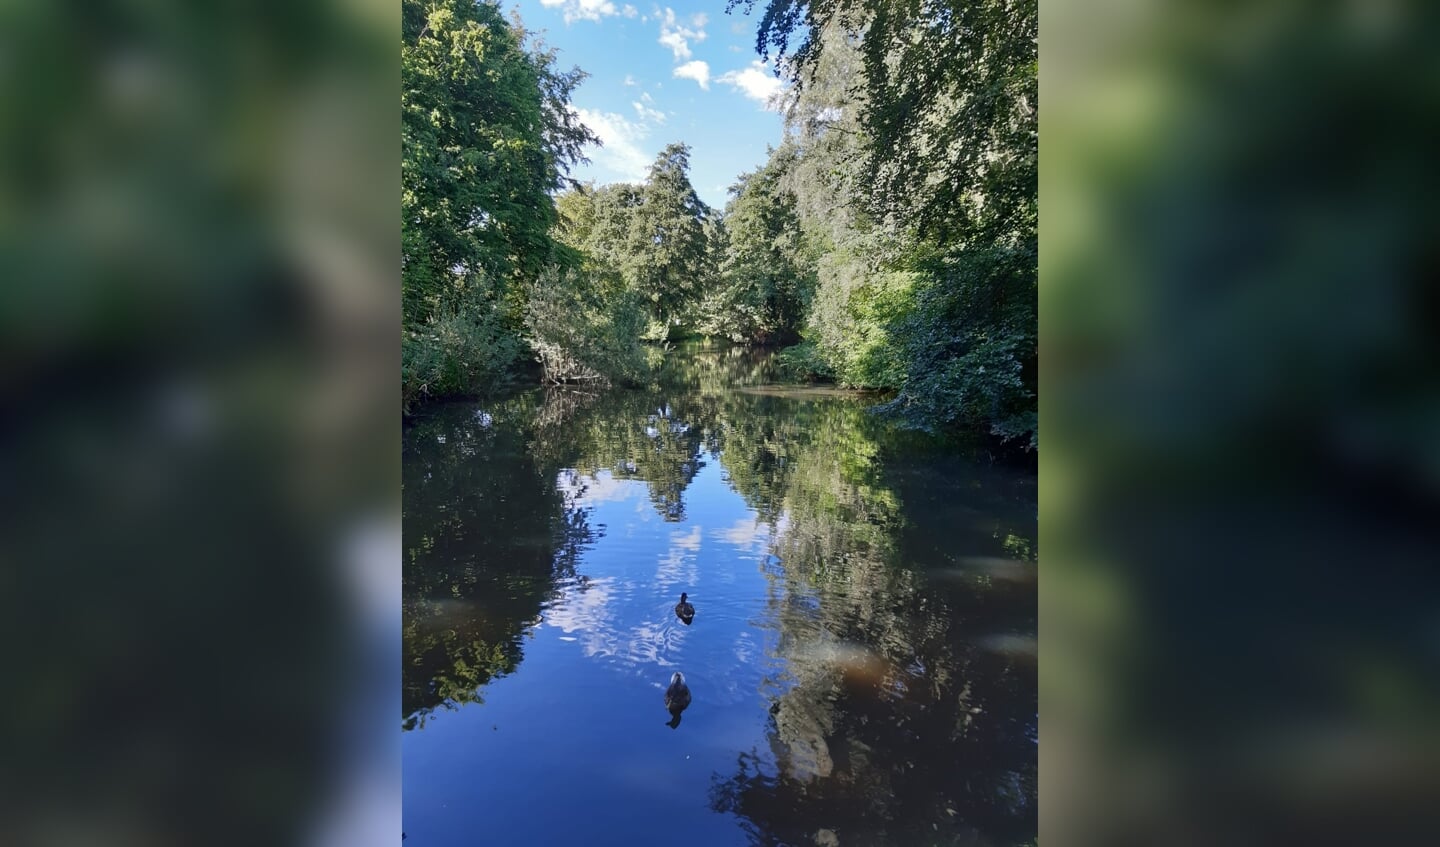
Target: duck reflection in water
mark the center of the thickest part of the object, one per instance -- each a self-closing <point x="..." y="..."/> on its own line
<point x="684" y="610"/>
<point x="677" y="698"/>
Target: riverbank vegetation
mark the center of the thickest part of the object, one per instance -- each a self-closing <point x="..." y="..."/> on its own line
<point x="889" y="242"/>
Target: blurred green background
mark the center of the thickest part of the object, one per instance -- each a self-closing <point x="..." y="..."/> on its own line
<point x="1240" y="628"/>
<point x="200" y="452"/>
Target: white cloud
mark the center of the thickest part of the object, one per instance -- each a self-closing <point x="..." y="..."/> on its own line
<point x="690" y="541"/>
<point x="756" y="83"/>
<point x="620" y="140"/>
<point x="677" y="36"/>
<point x="629" y="11"/>
<point x="678" y="566"/>
<point x="648" y="114"/>
<point x="630" y="80"/>
<point x="584" y="10"/>
<point x="603" y="487"/>
<point x="696" y="70"/>
<point x="748" y="534"/>
<point x="587" y="612"/>
<point x="752" y="534"/>
<point x="646" y="98"/>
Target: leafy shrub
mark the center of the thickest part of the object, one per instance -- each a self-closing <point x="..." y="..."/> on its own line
<point x="803" y="361"/>
<point x="858" y="309"/>
<point x="466" y="349"/>
<point x="877" y="308"/>
<point x="586" y="327"/>
<point x="969" y="344"/>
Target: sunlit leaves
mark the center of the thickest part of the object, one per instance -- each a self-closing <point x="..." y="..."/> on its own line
<point x="486" y="137"/>
<point x="767" y="276"/>
<point x="914" y="126"/>
<point x="656" y="236"/>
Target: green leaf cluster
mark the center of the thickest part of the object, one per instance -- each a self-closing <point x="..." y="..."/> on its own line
<point x="486" y="137"/>
<point x="910" y="163"/>
<point x="766" y="274"/>
<point x="584" y="327"/>
<point x="465" y="348"/>
<point x="656" y="238"/>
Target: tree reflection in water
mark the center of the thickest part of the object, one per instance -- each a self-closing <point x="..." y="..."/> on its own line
<point x="900" y="606"/>
<point x="899" y="721"/>
<point x="477" y="502"/>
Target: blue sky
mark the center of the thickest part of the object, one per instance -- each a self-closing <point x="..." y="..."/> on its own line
<point x="661" y="73"/>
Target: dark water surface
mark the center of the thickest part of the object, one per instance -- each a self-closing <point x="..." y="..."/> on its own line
<point x="861" y="659"/>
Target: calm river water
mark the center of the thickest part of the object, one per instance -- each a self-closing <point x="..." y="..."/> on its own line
<point x="861" y="658"/>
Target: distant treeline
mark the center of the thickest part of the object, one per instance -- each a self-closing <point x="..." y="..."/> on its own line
<point x="889" y="241"/>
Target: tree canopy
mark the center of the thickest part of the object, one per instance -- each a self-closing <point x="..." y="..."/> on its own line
<point x="915" y="131"/>
<point x="948" y="98"/>
<point x="485" y="138"/>
<point x="486" y="135"/>
<point x="766" y="269"/>
<point x="892" y="233"/>
<point x="654" y="238"/>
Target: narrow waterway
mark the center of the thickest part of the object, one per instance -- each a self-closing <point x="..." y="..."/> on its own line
<point x="861" y="658"/>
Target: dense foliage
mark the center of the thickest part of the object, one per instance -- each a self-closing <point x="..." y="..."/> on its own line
<point x="654" y="238"/>
<point x="892" y="234"/>
<point x="586" y="328"/>
<point x="911" y="156"/>
<point x="486" y="136"/>
<point x="766" y="269"/>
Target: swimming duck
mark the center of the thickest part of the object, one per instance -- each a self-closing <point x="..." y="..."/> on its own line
<point x="683" y="610"/>
<point x="677" y="696"/>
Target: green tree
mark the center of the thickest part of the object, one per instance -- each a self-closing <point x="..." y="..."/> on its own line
<point x="668" y="227"/>
<point x="599" y="223"/>
<point x="767" y="275"/>
<point x="659" y="237"/>
<point x="915" y="126"/>
<point x="486" y="135"/>
<point x="950" y="93"/>
<point x="862" y="295"/>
